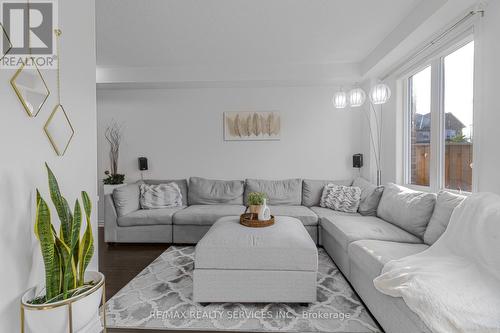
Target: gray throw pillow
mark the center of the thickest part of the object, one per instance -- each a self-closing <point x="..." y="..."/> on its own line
<point x="408" y="209"/>
<point x="160" y="196"/>
<point x="341" y="198"/>
<point x="278" y="192"/>
<point x="445" y="204"/>
<point x="126" y="199"/>
<point x="370" y="196"/>
<point x="312" y="189"/>
<point x="202" y="191"/>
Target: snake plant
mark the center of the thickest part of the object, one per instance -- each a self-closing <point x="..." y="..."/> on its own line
<point x="65" y="255"/>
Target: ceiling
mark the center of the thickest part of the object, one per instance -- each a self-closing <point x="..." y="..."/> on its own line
<point x="168" y="33"/>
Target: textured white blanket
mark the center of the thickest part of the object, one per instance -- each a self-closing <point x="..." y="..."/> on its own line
<point x="454" y="286"/>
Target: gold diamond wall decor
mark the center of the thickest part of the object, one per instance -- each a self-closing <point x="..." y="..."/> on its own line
<point x="30" y="88"/>
<point x="6" y="39"/>
<point x="59" y="130"/>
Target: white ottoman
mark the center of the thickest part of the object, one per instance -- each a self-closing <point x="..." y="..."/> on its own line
<point x="234" y="263"/>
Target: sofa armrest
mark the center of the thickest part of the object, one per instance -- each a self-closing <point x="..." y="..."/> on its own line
<point x="110" y="219"/>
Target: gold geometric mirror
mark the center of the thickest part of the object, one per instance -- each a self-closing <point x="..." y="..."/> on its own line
<point x="59" y="130"/>
<point x="6" y="40"/>
<point x="30" y="88"/>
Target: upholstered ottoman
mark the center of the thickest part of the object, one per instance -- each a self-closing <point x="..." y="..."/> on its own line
<point x="234" y="263"/>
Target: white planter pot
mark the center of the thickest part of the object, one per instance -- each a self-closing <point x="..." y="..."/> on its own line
<point x="108" y="189"/>
<point x="55" y="317"/>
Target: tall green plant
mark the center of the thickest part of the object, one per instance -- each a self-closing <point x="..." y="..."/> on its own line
<point x="65" y="255"/>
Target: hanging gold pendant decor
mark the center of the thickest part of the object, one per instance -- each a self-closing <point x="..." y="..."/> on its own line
<point x="30" y="87"/>
<point x="28" y="82"/>
<point x="58" y="127"/>
<point x="59" y="130"/>
<point x="6" y="39"/>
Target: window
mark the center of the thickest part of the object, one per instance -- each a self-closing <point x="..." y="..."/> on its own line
<point x="439" y="121"/>
<point x="420" y="126"/>
<point x="458" y="111"/>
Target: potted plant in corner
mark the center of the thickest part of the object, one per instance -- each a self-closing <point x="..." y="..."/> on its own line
<point x="113" y="179"/>
<point x="255" y="201"/>
<point x="69" y="301"/>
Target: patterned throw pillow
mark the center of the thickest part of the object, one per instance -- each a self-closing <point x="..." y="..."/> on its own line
<point x="160" y="196"/>
<point x="341" y="198"/>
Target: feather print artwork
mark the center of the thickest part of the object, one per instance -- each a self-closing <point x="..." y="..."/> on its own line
<point x="249" y="126"/>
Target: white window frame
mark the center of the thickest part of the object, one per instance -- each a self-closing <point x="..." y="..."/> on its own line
<point x="437" y="145"/>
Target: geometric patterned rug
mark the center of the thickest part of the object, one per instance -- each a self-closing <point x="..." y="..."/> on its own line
<point x="160" y="297"/>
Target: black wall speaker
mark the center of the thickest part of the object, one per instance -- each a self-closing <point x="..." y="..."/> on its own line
<point x="143" y="163"/>
<point x="357" y="160"/>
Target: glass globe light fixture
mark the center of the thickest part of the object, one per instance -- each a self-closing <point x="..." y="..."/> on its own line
<point x="357" y="97"/>
<point x="339" y="100"/>
<point x="380" y="93"/>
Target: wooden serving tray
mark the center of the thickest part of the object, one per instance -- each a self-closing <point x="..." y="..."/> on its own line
<point x="251" y="220"/>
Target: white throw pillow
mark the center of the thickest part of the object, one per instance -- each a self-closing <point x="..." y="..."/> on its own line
<point x="160" y="196"/>
<point x="341" y="198"/>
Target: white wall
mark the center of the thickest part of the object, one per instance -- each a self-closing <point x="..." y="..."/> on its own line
<point x="487" y="114"/>
<point x="24" y="149"/>
<point x="181" y="133"/>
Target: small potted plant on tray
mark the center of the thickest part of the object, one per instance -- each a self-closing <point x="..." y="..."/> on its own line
<point x="70" y="298"/>
<point x="255" y="201"/>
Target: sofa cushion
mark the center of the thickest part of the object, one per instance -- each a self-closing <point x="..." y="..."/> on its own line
<point x="182" y="183"/>
<point x="203" y="191"/>
<point x="148" y="217"/>
<point x="312" y="189"/>
<point x="411" y="210"/>
<point x="445" y="204"/>
<point x="327" y="212"/>
<point x="372" y="255"/>
<point x="278" y="192"/>
<point x="206" y="214"/>
<point x="304" y="214"/>
<point x="370" y="196"/>
<point x="126" y="199"/>
<point x="347" y="229"/>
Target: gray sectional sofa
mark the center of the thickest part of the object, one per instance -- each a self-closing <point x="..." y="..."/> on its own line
<point x="391" y="223"/>
<point x="205" y="201"/>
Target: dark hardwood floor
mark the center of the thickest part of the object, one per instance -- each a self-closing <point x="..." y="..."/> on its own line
<point x="120" y="263"/>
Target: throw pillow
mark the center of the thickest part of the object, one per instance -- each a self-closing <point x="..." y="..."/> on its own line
<point x="370" y="196"/>
<point x="341" y="198"/>
<point x="445" y="205"/>
<point x="160" y="196"/>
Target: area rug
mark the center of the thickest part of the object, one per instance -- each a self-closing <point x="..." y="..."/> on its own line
<point x="160" y="297"/>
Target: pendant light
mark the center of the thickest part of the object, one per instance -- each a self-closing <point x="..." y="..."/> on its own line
<point x="339" y="100"/>
<point x="357" y="97"/>
<point x="380" y="94"/>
